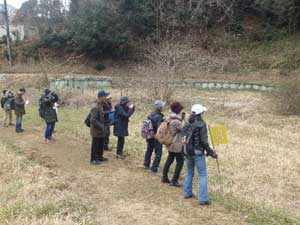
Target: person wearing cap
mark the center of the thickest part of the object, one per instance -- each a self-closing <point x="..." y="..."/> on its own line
<point x="123" y="111"/>
<point x="7" y="105"/>
<point x="48" y="113"/>
<point x="97" y="129"/>
<point x="108" y="109"/>
<point x="195" y="155"/>
<point x="156" y="117"/>
<point x="19" y="109"/>
<point x="176" y="123"/>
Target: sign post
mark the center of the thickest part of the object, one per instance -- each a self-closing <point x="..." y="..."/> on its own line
<point x="218" y="135"/>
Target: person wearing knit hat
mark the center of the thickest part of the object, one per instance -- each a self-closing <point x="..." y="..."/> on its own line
<point x="196" y="145"/>
<point x="20" y="109"/>
<point x="156" y="118"/>
<point x="176" y="123"/>
<point x="123" y="111"/>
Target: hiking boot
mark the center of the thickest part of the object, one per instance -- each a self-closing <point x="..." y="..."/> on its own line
<point x="103" y="159"/>
<point x="146" y="167"/>
<point x="95" y="162"/>
<point x="22" y="130"/>
<point x="11" y="124"/>
<point x="205" y="203"/>
<point x="189" y="196"/>
<point x="108" y="149"/>
<point x="154" y="170"/>
<point x="19" y="131"/>
<point x="165" y="181"/>
<point x="175" y="184"/>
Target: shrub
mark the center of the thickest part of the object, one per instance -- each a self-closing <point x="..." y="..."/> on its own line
<point x="100" y="67"/>
<point x="287" y="98"/>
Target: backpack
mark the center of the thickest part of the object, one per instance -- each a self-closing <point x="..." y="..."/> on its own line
<point x="87" y="120"/>
<point x="164" y="135"/>
<point x="147" y="130"/>
<point x="12" y="104"/>
<point x="3" y="100"/>
<point x="42" y="108"/>
<point x="187" y="133"/>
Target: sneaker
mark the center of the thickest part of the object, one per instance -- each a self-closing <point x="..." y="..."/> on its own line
<point x="175" y="184"/>
<point x="165" y="181"/>
<point x="103" y="159"/>
<point x="205" y="203"/>
<point x="48" y="141"/>
<point x="146" y="167"/>
<point x="189" y="196"/>
<point x="123" y="157"/>
<point x="95" y="162"/>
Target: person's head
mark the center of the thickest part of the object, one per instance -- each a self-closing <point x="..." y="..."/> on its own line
<point x="4" y="92"/>
<point x="198" y="109"/>
<point x="176" y="107"/>
<point x="22" y="91"/>
<point x="159" y="105"/>
<point x="47" y="91"/>
<point x="102" y="96"/>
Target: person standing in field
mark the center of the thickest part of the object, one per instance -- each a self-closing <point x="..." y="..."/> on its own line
<point x="176" y="123"/>
<point x="7" y="104"/>
<point x="123" y="111"/>
<point x="97" y="129"/>
<point x="195" y="139"/>
<point x="156" y="118"/>
<point x="108" y="109"/>
<point x="48" y="113"/>
<point x="20" y="103"/>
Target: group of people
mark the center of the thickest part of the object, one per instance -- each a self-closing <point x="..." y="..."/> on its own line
<point x="188" y="136"/>
<point x="189" y="142"/>
<point x="189" y="139"/>
<point x="11" y="102"/>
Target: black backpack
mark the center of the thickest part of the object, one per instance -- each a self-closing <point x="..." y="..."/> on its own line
<point x="42" y="108"/>
<point x="187" y="134"/>
<point x="87" y="120"/>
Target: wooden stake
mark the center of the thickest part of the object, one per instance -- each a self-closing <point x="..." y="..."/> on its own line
<point x="212" y="142"/>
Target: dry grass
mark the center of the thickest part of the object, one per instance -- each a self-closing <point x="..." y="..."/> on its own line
<point x="259" y="167"/>
<point x="32" y="194"/>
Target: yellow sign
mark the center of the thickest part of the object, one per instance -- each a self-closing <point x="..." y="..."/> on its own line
<point x="218" y="135"/>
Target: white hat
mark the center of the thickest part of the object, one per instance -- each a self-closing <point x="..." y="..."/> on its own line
<point x="198" y="109"/>
<point x="159" y="104"/>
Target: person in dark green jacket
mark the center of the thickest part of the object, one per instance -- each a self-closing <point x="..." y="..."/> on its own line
<point x="19" y="109"/>
<point x="48" y="113"/>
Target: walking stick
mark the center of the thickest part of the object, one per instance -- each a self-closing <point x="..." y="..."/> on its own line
<point x="212" y="142"/>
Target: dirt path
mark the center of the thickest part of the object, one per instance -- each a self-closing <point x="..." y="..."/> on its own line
<point x="121" y="191"/>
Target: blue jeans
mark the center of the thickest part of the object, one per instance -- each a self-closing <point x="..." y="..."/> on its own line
<point x="49" y="130"/>
<point x="153" y="144"/>
<point x="18" y="122"/>
<point x="200" y="162"/>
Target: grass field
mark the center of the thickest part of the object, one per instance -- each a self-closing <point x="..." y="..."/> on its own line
<point x="258" y="184"/>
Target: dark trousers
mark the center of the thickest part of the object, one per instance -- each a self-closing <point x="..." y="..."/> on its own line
<point x="179" y="165"/>
<point x="120" y="147"/>
<point x="153" y="144"/>
<point x="49" y="130"/>
<point x="97" y="149"/>
<point x="19" y="119"/>
<point x="107" y="134"/>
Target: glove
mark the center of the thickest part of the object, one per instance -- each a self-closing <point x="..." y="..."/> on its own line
<point x="214" y="155"/>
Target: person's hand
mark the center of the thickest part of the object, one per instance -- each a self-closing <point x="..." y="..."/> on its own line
<point x="26" y="102"/>
<point x="214" y="155"/>
<point x="131" y="106"/>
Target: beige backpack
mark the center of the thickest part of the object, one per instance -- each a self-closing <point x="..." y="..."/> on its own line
<point x="164" y="135"/>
